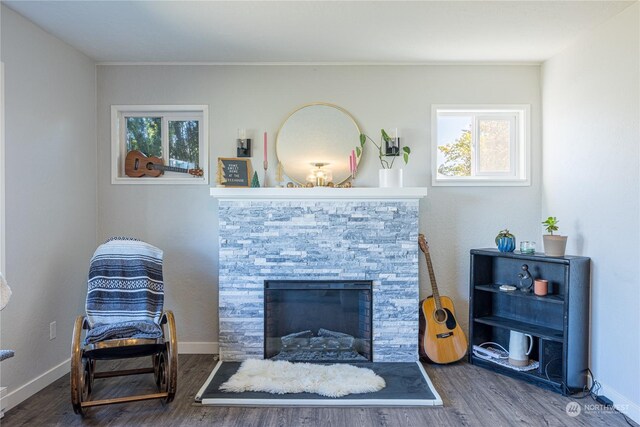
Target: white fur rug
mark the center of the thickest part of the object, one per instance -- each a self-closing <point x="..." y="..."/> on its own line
<point x="280" y="377"/>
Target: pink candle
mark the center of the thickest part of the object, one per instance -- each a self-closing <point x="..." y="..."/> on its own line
<point x="355" y="162"/>
<point x="265" y="146"/>
<point x="351" y="164"/>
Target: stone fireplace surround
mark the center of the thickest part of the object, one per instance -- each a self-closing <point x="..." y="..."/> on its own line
<point x="318" y="234"/>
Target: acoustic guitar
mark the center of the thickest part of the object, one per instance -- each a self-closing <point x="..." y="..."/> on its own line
<point x="441" y="337"/>
<point x="136" y="164"/>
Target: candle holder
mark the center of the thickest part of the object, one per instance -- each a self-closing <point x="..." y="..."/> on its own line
<point x="243" y="144"/>
<point x="265" y="166"/>
<point x="392" y="147"/>
<point x="319" y="175"/>
<point x="243" y="148"/>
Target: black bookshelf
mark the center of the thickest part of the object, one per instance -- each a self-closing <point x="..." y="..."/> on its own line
<point x="558" y="322"/>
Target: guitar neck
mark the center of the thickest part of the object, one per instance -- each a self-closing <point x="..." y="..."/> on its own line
<point x="170" y="168"/>
<point x="424" y="247"/>
<point x="432" y="279"/>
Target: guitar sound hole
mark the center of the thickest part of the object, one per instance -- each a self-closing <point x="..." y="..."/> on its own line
<point x="440" y="315"/>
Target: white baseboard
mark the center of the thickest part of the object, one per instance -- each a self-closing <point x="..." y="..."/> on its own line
<point x="198" y="348"/>
<point x="622" y="403"/>
<point x="27" y="390"/>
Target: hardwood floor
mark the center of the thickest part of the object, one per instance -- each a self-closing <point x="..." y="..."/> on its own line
<point x="472" y="397"/>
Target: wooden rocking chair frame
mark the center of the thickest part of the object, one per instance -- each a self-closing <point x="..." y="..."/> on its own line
<point x="163" y="352"/>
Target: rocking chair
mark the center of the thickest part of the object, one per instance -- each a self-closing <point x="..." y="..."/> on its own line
<point x="124" y="320"/>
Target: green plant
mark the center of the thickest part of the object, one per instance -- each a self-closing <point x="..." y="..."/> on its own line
<point x="384" y="138"/>
<point x="551" y="224"/>
<point x="504" y="233"/>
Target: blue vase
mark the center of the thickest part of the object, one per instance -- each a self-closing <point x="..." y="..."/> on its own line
<point x="507" y="244"/>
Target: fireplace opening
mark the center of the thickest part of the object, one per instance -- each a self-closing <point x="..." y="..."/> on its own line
<point x="318" y="320"/>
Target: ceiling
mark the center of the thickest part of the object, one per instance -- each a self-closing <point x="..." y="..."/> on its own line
<point x="318" y="31"/>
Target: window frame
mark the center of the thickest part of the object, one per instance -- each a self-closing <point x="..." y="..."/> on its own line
<point x="168" y="113"/>
<point x="520" y="151"/>
<point x="3" y="235"/>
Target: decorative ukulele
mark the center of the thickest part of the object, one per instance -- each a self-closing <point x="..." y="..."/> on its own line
<point x="136" y="164"/>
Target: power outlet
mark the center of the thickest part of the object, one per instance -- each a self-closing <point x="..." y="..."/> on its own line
<point x="52" y="331"/>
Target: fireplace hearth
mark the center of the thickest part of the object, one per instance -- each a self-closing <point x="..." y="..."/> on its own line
<point x="318" y="320"/>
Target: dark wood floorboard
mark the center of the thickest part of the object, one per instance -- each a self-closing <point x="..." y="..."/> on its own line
<point x="472" y="397"/>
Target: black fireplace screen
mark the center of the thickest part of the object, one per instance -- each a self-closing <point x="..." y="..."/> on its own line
<point x="318" y="320"/>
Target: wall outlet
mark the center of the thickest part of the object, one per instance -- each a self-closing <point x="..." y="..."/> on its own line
<point x="52" y="331"/>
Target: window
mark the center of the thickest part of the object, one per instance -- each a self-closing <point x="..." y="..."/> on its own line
<point x="175" y="136"/>
<point x="480" y="145"/>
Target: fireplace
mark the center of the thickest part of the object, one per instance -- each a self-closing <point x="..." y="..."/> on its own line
<point x="370" y="235"/>
<point x="318" y="320"/>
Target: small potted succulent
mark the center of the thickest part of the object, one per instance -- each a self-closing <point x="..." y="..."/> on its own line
<point x="554" y="245"/>
<point x="506" y="241"/>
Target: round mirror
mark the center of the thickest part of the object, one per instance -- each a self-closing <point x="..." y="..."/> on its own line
<point x="317" y="137"/>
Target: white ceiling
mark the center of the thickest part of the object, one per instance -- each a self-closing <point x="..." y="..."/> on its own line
<point x="318" y="31"/>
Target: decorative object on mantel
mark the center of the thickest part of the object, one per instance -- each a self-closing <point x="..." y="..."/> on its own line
<point x="320" y="175"/>
<point x="255" y="182"/>
<point x="353" y="164"/>
<point x="387" y="176"/>
<point x="234" y="172"/>
<point x="505" y="241"/>
<point x="392" y="145"/>
<point x="243" y="144"/>
<point x="279" y="179"/>
<point x="553" y="245"/>
<point x="220" y="174"/>
<point x="265" y="162"/>
<point x="316" y="133"/>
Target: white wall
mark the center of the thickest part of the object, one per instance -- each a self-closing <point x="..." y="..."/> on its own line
<point x="182" y="219"/>
<point x="50" y="198"/>
<point x="591" y="164"/>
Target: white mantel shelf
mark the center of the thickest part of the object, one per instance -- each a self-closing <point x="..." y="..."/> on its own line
<point x="371" y="193"/>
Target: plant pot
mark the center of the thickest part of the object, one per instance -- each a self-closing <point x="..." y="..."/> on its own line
<point x="554" y="245"/>
<point x="390" y="178"/>
<point x="506" y="244"/>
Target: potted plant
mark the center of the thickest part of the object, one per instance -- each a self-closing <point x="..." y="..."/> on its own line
<point x="554" y="245"/>
<point x="388" y="177"/>
<point x="505" y="241"/>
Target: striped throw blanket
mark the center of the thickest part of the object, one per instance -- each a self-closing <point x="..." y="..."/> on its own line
<point x="126" y="292"/>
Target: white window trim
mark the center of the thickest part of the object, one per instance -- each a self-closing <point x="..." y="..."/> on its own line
<point x="118" y="149"/>
<point x="3" y="235"/>
<point x="522" y="156"/>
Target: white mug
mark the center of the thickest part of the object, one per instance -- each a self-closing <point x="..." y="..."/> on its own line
<point x="518" y="352"/>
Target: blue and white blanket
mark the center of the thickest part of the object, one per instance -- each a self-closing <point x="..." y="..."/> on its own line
<point x="126" y="291"/>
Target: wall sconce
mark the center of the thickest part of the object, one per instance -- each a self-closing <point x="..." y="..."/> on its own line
<point x="243" y="144"/>
<point x="319" y="175"/>
<point x="392" y="146"/>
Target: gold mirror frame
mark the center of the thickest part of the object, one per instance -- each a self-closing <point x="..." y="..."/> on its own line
<point x="340" y="167"/>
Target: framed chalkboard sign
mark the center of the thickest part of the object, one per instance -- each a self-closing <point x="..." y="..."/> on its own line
<point x="234" y="172"/>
